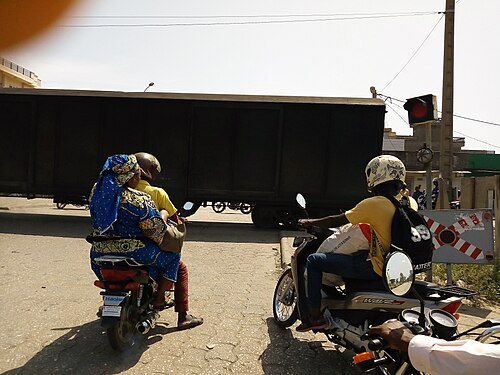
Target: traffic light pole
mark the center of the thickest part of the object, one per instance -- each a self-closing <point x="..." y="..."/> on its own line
<point x="446" y="136"/>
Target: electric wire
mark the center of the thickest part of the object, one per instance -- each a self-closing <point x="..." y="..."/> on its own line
<point x="478" y="140"/>
<point x="385" y="98"/>
<point x="414" y="53"/>
<point x="232" y="23"/>
<point x="454" y="131"/>
<point x="250" y="15"/>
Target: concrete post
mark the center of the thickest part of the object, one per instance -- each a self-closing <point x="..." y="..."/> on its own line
<point x="497" y="217"/>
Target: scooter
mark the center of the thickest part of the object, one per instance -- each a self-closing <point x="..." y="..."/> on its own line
<point x="399" y="280"/>
<point x="350" y="309"/>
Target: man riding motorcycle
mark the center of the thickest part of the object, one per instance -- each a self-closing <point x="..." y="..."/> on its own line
<point x="150" y="168"/>
<point x="385" y="175"/>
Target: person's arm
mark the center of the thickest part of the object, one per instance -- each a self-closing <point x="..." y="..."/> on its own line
<point x="436" y="356"/>
<point x="153" y="222"/>
<point x="395" y="333"/>
<point x="332" y="221"/>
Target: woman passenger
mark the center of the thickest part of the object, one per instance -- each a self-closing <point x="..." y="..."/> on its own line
<point x="131" y="222"/>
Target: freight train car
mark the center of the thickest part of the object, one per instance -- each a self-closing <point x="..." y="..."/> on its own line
<point x="234" y="148"/>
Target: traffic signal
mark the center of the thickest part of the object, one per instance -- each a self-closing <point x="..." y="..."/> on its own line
<point x="421" y="109"/>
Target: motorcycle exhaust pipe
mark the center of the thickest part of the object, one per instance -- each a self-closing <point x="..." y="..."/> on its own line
<point x="144" y="326"/>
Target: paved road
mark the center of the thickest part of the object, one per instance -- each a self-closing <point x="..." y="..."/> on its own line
<point x="48" y="303"/>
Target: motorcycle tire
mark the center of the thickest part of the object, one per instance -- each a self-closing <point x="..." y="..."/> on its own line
<point x="218" y="206"/>
<point x="121" y="334"/>
<point x="246" y="208"/>
<point x="285" y="309"/>
<point x="60" y="205"/>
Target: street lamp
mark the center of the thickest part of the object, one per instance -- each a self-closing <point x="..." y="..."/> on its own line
<point x="150" y="84"/>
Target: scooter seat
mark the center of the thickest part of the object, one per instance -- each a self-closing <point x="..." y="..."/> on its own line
<point x="358" y="285"/>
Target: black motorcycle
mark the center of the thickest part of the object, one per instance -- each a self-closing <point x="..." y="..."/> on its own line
<point x="421" y="320"/>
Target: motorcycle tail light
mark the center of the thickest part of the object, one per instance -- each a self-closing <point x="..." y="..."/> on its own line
<point x="132" y="285"/>
<point x="110" y="274"/>
<point x="452" y="307"/>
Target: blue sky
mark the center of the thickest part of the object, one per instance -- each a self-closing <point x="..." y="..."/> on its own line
<point x="308" y="48"/>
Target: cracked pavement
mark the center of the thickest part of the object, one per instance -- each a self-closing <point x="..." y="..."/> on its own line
<point x="48" y="303"/>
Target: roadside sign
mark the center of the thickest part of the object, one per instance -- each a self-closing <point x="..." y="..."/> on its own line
<point x="461" y="236"/>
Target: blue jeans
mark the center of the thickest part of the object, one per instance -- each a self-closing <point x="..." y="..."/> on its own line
<point x="355" y="267"/>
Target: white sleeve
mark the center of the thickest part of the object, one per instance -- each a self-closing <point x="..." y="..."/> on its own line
<point x="440" y="357"/>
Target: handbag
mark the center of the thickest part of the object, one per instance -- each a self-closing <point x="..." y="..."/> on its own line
<point x="173" y="239"/>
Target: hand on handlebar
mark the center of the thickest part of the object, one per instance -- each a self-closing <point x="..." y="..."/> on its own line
<point x="395" y="333"/>
<point x="305" y="223"/>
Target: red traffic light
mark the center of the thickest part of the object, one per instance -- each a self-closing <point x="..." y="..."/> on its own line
<point x="421" y="109"/>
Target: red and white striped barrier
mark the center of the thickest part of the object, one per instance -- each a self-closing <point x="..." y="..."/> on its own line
<point x="450" y="235"/>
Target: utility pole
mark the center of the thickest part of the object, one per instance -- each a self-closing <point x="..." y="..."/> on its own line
<point x="446" y="139"/>
<point x="446" y="136"/>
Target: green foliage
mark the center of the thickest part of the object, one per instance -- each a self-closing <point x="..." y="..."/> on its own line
<point x="483" y="278"/>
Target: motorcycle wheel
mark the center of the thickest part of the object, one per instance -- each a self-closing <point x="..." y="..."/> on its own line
<point x="246" y="208"/>
<point x="285" y="301"/>
<point x="121" y="334"/>
<point x="60" y="205"/>
<point x="218" y="206"/>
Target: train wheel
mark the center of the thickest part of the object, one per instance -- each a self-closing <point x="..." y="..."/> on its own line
<point x="218" y="206"/>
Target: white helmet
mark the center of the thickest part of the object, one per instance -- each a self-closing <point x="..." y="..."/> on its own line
<point x="384" y="168"/>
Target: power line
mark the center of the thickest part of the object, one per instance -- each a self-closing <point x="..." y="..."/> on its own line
<point x="468" y="136"/>
<point x="414" y="53"/>
<point x="385" y="97"/>
<point x="455" y="131"/>
<point x="250" y="15"/>
<point x="223" y="23"/>
<point x="476" y="120"/>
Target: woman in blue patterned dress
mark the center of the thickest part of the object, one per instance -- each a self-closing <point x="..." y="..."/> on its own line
<point x="132" y="223"/>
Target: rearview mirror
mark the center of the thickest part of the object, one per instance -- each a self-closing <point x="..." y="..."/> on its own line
<point x="398" y="273"/>
<point x="301" y="201"/>
<point x="188" y="206"/>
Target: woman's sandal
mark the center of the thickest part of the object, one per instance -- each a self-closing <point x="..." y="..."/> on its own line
<point x="190" y="322"/>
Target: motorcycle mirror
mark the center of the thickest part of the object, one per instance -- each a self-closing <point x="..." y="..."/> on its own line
<point x="188" y="206"/>
<point x="301" y="201"/>
<point x="398" y="273"/>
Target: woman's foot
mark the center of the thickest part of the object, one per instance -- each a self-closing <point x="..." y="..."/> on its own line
<point x="316" y="324"/>
<point x="186" y="321"/>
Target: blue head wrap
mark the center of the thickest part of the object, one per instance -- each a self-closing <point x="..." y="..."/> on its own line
<point x="117" y="170"/>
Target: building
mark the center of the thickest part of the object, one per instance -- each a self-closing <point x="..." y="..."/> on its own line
<point x="13" y="75"/>
<point x="471" y="167"/>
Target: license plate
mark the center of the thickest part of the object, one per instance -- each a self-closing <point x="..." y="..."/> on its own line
<point x="113" y="300"/>
<point x="113" y="311"/>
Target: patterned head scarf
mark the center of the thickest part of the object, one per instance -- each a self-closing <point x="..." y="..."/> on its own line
<point x="117" y="170"/>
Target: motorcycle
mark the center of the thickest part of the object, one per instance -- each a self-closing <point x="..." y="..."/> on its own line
<point x="350" y="309"/>
<point x="399" y="280"/>
<point x="127" y="297"/>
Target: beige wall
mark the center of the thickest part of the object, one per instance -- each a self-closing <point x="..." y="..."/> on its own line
<point x="477" y="192"/>
<point x="11" y="81"/>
